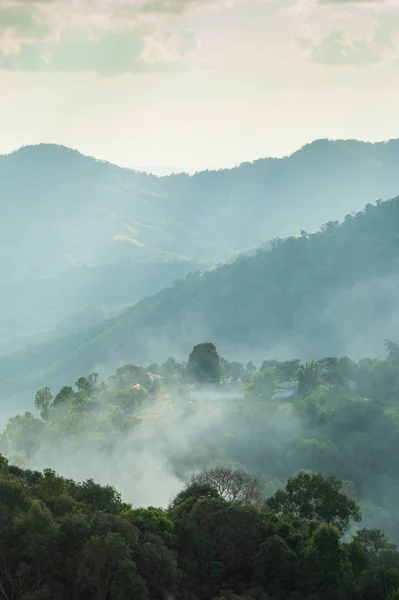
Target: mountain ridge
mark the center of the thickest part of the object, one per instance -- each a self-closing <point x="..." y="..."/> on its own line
<point x="54" y="148"/>
<point x="62" y="208"/>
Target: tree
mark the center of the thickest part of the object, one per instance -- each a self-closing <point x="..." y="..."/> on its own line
<point x="86" y="385"/>
<point x="203" y="364"/>
<point x="103" y="498"/>
<point x="171" y="369"/>
<point x="326" y="562"/>
<point x="231" y="371"/>
<point x="275" y="565"/>
<point x="334" y="372"/>
<point x="393" y="351"/>
<point x="64" y="396"/>
<point x="43" y="400"/>
<point x="150" y="520"/>
<point x="128" y="584"/>
<point x="308" y="378"/>
<point x="287" y="370"/>
<point x="102" y="557"/>
<point x="194" y="490"/>
<point x="374" y="540"/>
<point x="233" y="486"/>
<point x="314" y="497"/>
<point x="262" y="384"/>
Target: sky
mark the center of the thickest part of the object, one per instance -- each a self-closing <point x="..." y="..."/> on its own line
<point x="170" y="85"/>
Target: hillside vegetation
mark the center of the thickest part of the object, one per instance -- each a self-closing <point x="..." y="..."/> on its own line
<point x="33" y="310"/>
<point x="329" y="293"/>
<point x="259" y="494"/>
<point x="63" y="539"/>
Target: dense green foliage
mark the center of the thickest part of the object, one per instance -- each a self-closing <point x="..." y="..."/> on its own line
<point x="203" y="364"/>
<point x="63" y="540"/>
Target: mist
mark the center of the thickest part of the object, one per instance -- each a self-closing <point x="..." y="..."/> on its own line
<point x="147" y="442"/>
<point x="135" y="268"/>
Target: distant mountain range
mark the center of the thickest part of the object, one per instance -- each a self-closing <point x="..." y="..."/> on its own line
<point x="77" y="232"/>
<point x="60" y="208"/>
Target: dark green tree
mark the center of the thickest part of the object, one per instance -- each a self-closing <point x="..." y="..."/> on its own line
<point x="203" y="364"/>
<point x="275" y="565"/>
<point x="318" y="498"/>
<point x="308" y="378"/>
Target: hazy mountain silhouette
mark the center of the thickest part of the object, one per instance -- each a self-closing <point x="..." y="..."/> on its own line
<point x="60" y="208"/>
<point x="32" y="310"/>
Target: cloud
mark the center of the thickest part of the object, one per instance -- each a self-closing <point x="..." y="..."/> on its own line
<point x="24" y="22"/>
<point x="356" y="33"/>
<point x="106" y="53"/>
<point x="387" y="32"/>
<point x="337" y="50"/>
<point x="168" y="47"/>
<point x="134" y="7"/>
<point x="167" y="6"/>
<point x="340" y="2"/>
<point x="110" y="38"/>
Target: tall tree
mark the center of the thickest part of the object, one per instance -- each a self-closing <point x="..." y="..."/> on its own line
<point x="204" y="364"/>
<point x="43" y="400"/>
<point x="314" y="497"/>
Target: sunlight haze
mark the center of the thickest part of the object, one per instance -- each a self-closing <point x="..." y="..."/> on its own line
<point x="174" y="85"/>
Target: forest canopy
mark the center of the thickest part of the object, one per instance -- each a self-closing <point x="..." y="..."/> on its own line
<point x="287" y="482"/>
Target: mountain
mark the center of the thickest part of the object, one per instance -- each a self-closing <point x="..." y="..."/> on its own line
<point x="78" y="232"/>
<point x="333" y="292"/>
<point x="32" y="310"/>
<point x="60" y="208"/>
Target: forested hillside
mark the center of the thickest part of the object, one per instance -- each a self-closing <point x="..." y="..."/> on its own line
<point x="33" y="310"/>
<point x="329" y="293"/>
<point x="275" y="482"/>
<point x="63" y="539"/>
<point x="72" y="225"/>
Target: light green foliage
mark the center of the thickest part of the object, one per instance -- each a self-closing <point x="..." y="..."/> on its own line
<point x="150" y="520"/>
<point x="43" y="400"/>
<point x="262" y="384"/>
